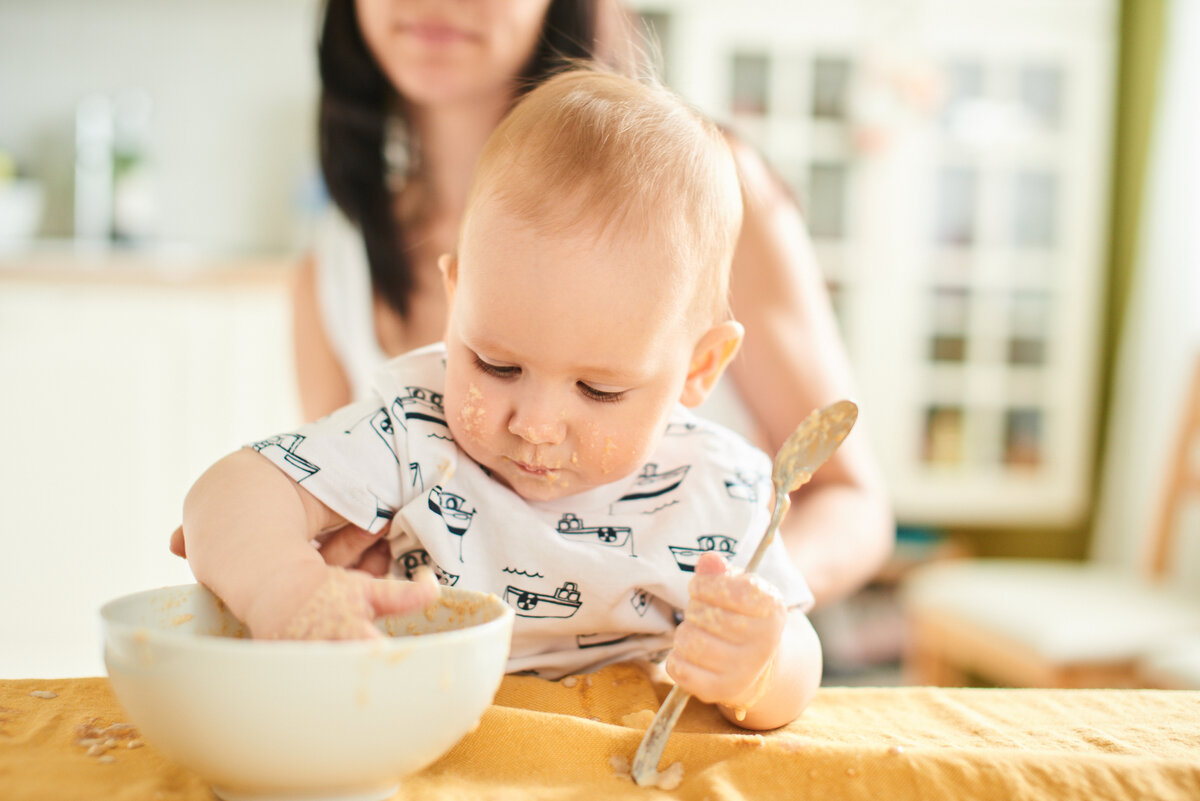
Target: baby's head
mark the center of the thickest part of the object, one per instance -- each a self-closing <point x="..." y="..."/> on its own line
<point x="593" y="153"/>
<point x="589" y="294"/>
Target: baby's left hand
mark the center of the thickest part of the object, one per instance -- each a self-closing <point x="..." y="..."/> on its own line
<point x="732" y="628"/>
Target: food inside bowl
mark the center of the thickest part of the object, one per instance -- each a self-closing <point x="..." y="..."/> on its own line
<point x="448" y="613"/>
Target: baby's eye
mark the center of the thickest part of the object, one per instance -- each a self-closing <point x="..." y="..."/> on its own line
<point x="497" y="370"/>
<point x="599" y="394"/>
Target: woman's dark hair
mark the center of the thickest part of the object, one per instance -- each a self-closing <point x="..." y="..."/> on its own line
<point x="356" y="101"/>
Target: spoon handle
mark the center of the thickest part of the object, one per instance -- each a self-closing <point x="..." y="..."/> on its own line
<point x="783" y="502"/>
<point x="645" y="762"/>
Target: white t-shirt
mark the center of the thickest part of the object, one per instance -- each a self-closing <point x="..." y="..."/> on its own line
<point x="594" y="577"/>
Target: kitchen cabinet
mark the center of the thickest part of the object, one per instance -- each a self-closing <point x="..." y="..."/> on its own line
<point x="124" y="376"/>
<point x="952" y="163"/>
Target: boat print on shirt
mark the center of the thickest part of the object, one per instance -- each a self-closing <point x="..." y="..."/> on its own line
<point x="651" y="491"/>
<point x="743" y="487"/>
<point x="421" y="410"/>
<point x="294" y="464"/>
<point x="571" y="527"/>
<point x="563" y="603"/>
<point x="515" y="572"/>
<point x="381" y="424"/>
<point x="444" y="578"/>
<point x="640" y="601"/>
<point x="409" y="562"/>
<point x="680" y="429"/>
<point x="686" y="558"/>
<point x="383" y="516"/>
<point x="454" y="511"/>
<point x="596" y="640"/>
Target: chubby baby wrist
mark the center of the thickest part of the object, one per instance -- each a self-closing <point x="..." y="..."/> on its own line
<point x="747" y="700"/>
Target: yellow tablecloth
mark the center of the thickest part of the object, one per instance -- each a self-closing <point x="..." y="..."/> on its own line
<point x="546" y="740"/>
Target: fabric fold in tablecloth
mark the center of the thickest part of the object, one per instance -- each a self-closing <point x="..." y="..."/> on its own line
<point x="556" y="740"/>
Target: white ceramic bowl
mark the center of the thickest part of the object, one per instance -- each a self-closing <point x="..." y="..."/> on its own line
<point x="303" y="720"/>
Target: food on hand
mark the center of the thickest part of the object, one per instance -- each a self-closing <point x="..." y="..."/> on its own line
<point x="725" y="649"/>
<point x="346" y="604"/>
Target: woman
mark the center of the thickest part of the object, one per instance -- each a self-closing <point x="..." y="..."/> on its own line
<point x="411" y="91"/>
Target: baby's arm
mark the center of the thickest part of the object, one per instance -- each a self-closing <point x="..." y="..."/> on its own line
<point x="248" y="528"/>
<point x="740" y="648"/>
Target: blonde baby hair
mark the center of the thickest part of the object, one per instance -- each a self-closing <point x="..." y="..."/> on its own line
<point x="616" y="155"/>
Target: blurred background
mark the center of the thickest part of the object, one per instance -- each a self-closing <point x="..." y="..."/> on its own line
<point x="1002" y="195"/>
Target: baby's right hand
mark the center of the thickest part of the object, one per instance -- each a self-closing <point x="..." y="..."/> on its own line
<point x="344" y="606"/>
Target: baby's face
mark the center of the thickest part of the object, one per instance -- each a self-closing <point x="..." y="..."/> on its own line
<point x="563" y="359"/>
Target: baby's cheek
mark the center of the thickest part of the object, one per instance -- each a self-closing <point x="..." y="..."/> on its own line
<point x="471" y="416"/>
<point x="614" y="451"/>
<point x="597" y="451"/>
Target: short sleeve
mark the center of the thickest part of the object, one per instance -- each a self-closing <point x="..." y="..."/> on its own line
<point x="350" y="461"/>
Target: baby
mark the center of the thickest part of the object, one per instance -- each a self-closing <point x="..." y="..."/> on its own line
<point x="543" y="452"/>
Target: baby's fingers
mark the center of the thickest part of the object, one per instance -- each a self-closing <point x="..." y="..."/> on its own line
<point x="732" y="626"/>
<point x="345" y="605"/>
<point x="717" y="671"/>
<point x="392" y="597"/>
<point x="711" y="564"/>
<point x="743" y="593"/>
<point x="707" y="650"/>
<point x="707" y="685"/>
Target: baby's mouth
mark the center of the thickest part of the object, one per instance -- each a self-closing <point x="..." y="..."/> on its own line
<point x="540" y="471"/>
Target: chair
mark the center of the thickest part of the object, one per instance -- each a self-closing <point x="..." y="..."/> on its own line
<point x="1029" y="623"/>
<point x="1175" y="666"/>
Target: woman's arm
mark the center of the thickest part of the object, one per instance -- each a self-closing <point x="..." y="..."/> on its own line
<point x="322" y="379"/>
<point x="840" y="529"/>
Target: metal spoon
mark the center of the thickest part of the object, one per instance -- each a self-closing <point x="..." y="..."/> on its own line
<point x="813" y="441"/>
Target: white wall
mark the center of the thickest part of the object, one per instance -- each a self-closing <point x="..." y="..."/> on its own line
<point x="115" y="395"/>
<point x="234" y="86"/>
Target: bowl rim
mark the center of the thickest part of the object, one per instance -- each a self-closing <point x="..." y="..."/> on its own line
<point x="386" y="644"/>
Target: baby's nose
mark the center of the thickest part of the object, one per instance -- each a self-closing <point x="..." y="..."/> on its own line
<point x="538" y="426"/>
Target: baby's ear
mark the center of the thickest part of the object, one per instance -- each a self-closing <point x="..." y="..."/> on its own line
<point x="448" y="264"/>
<point x="713" y="353"/>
